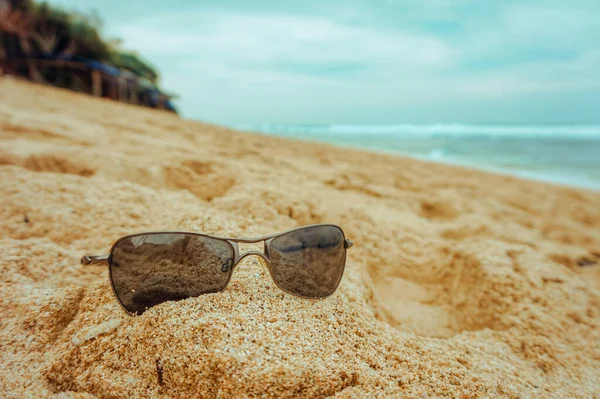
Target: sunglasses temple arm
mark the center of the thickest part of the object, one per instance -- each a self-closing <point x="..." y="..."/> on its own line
<point x="94" y="260"/>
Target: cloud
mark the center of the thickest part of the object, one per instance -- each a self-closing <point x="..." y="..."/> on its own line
<point x="279" y="40"/>
<point x="373" y="61"/>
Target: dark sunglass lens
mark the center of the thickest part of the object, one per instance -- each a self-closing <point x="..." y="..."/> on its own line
<point x="310" y="261"/>
<point x="149" y="269"/>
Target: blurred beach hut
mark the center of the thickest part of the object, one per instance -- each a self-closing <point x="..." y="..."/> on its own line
<point x="48" y="45"/>
<point x="123" y="85"/>
<point x="105" y="79"/>
<point x="152" y="96"/>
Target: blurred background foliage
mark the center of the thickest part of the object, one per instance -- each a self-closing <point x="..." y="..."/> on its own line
<point x="41" y="30"/>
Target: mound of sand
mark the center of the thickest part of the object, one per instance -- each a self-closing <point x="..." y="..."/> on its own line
<point x="460" y="283"/>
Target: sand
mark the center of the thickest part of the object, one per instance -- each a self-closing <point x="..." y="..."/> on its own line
<point x="460" y="283"/>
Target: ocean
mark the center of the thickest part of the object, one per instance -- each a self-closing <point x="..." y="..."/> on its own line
<point x="568" y="155"/>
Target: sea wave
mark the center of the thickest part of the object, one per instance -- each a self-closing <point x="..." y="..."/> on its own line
<point x="571" y="131"/>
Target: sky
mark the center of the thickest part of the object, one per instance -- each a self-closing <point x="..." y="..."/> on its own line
<point x="368" y="62"/>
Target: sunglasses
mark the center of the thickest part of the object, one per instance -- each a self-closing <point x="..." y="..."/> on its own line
<point x="147" y="269"/>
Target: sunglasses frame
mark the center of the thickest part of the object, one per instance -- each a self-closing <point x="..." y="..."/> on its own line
<point x="233" y="242"/>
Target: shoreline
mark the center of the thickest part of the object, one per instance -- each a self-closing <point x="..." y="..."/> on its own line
<point x="539" y="177"/>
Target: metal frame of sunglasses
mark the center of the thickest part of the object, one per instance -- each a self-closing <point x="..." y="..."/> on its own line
<point x="264" y="257"/>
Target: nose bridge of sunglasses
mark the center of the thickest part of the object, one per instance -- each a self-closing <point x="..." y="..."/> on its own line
<point x="255" y="251"/>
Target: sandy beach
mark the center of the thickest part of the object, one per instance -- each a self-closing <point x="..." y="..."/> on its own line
<point x="460" y="284"/>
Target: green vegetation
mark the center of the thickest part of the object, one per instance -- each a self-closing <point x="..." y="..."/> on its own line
<point x="133" y="63"/>
<point x="31" y="29"/>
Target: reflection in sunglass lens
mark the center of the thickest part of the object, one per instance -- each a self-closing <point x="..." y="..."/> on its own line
<point x="310" y="261"/>
<point x="149" y="269"/>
